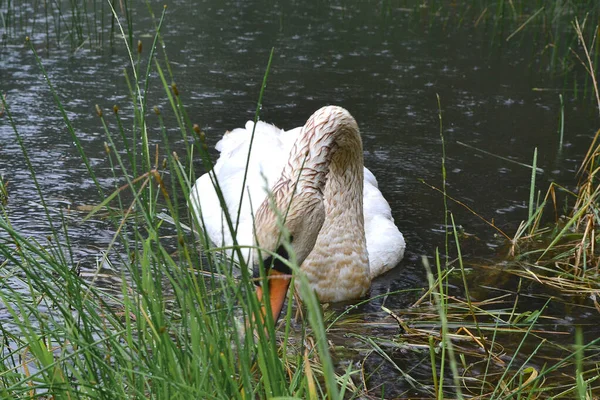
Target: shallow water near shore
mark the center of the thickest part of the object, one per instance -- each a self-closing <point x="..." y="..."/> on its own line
<point x="385" y="69"/>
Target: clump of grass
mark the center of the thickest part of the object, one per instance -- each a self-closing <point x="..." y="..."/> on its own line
<point x="483" y="342"/>
<point x="566" y="255"/>
<point x="181" y="325"/>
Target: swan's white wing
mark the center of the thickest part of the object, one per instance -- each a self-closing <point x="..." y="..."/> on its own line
<point x="385" y="243"/>
<point x="270" y="151"/>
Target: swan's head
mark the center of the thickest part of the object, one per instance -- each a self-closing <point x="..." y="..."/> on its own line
<point x="287" y="234"/>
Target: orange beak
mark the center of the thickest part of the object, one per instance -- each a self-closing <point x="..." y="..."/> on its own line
<point x="278" y="287"/>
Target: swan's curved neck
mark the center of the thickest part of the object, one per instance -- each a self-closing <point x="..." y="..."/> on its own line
<point x="322" y="184"/>
<point x="338" y="266"/>
<point x="341" y="242"/>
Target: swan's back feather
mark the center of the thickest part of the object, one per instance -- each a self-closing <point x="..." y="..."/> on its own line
<point x="269" y="153"/>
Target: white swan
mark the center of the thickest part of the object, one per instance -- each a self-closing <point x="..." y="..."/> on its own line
<point x="341" y="242"/>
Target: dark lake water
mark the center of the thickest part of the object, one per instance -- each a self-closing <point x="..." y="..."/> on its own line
<point x="386" y="68"/>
